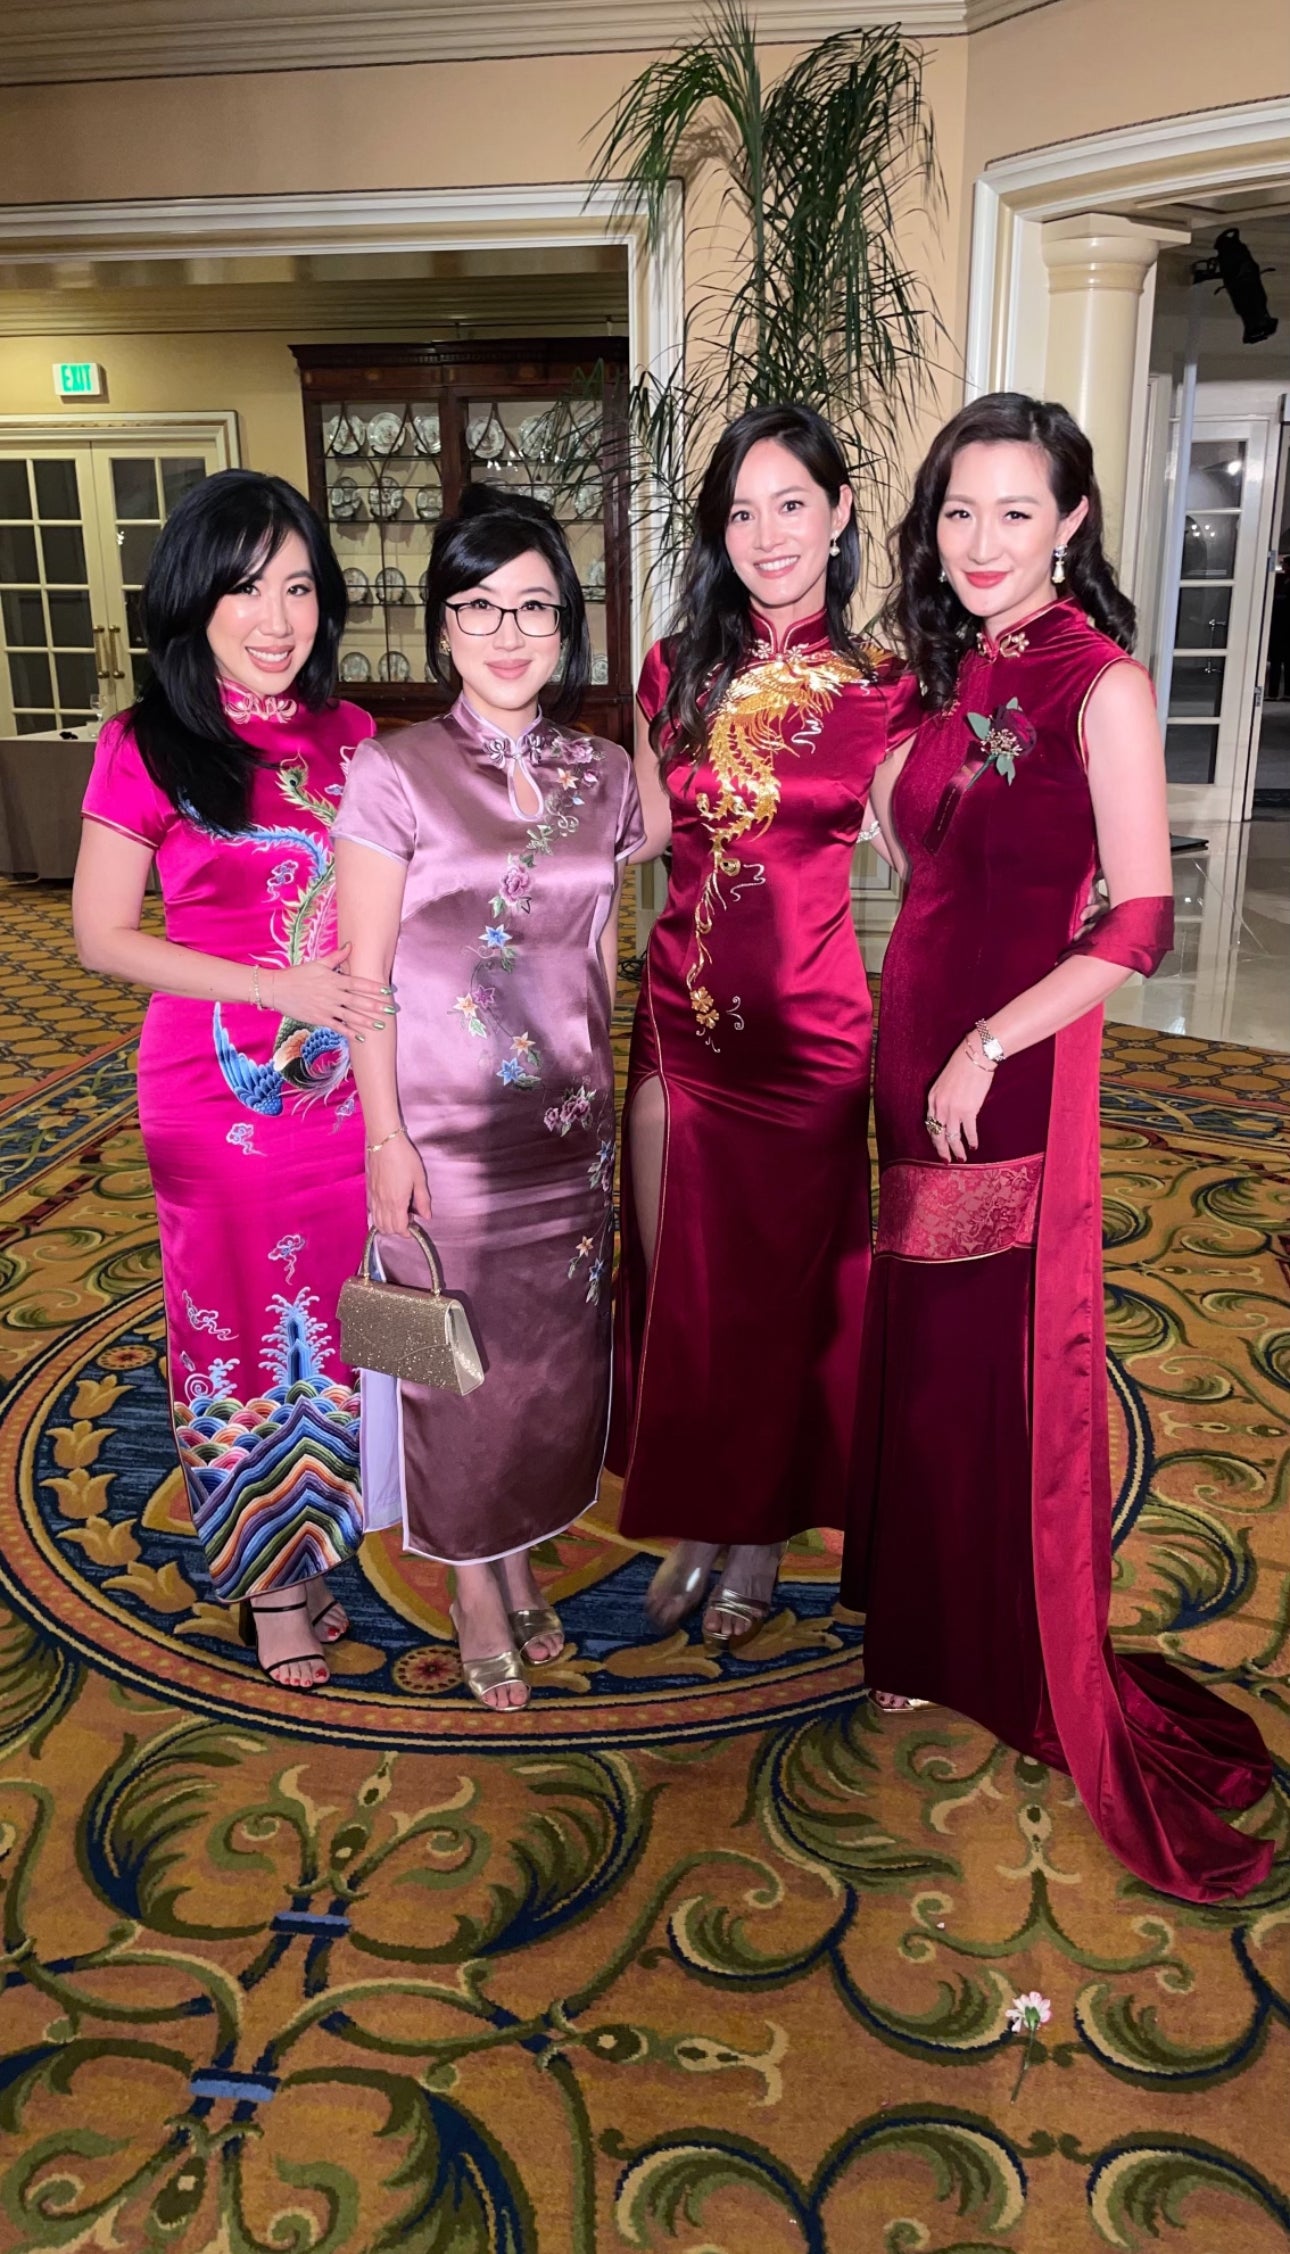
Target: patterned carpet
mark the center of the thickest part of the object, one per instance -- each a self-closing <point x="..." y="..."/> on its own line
<point x="696" y="1954"/>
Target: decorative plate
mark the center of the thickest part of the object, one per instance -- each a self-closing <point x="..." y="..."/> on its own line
<point x="355" y="666"/>
<point x="485" y="437"/>
<point x="428" y="503"/>
<point x="600" y="672"/>
<point x="534" y="436"/>
<point x="594" y="581"/>
<point x="344" y="500"/>
<point x="425" y="433"/>
<point x="394" y="666"/>
<point x="588" y="498"/>
<point x="342" y="434"/>
<point x="545" y="494"/>
<point x="385" y="498"/>
<point x="360" y="589"/>
<point x="384" y="432"/>
<point x="423" y="591"/>
<point x="391" y="586"/>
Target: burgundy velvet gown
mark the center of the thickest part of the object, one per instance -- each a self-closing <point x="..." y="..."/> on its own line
<point x="980" y="1537"/>
<point x="737" y="1362"/>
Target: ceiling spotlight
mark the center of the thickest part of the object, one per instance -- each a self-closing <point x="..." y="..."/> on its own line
<point x="1235" y="269"/>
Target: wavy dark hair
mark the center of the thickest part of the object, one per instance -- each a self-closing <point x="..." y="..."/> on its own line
<point x="923" y="616"/>
<point x="224" y="530"/>
<point x="712" y="624"/>
<point x="491" y="528"/>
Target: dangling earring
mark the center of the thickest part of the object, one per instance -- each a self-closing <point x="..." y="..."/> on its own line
<point x="1059" y="565"/>
<point x="944" y="575"/>
<point x="834" y="549"/>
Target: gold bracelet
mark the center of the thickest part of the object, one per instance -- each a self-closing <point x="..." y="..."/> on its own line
<point x="255" y="986"/>
<point x="394" y="1133"/>
<point x="979" y="1062"/>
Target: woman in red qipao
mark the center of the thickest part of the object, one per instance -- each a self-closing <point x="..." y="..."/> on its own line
<point x="980" y="1540"/>
<point x="746" y="1195"/>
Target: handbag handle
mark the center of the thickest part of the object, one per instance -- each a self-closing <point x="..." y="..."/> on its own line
<point x="414" y="1229"/>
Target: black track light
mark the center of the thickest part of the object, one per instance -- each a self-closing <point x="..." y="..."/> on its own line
<point x="1235" y="268"/>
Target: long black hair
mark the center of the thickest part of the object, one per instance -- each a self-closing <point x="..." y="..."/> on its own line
<point x="712" y="625"/>
<point x="223" y="531"/>
<point x="493" y="527"/>
<point x="923" y="616"/>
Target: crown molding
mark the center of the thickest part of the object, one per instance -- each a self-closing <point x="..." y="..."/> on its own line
<point x="500" y="305"/>
<point x="64" y="41"/>
<point x="983" y="15"/>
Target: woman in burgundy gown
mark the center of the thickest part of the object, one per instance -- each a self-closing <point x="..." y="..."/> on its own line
<point x="980" y="1537"/>
<point x="746" y="1197"/>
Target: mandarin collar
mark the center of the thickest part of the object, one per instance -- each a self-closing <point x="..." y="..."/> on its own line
<point x="808" y="633"/>
<point x="1034" y="632"/>
<point x="538" y="741"/>
<point x="246" y="704"/>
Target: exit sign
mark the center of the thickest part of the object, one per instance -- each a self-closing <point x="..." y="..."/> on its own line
<point x="79" y="379"/>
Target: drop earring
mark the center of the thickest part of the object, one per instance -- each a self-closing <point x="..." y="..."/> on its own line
<point x="834" y="549"/>
<point x="1059" y="565"/>
<point x="944" y="575"/>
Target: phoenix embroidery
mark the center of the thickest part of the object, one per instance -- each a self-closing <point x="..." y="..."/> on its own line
<point x="748" y="735"/>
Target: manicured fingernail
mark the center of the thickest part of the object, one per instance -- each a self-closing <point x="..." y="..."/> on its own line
<point x="360" y="1038"/>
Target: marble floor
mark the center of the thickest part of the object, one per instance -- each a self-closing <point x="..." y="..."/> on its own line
<point x="1228" y="978"/>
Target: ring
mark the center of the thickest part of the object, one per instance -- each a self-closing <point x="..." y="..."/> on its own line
<point x="934" y="1125"/>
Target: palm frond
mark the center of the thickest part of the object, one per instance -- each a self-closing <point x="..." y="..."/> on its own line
<point x="822" y="168"/>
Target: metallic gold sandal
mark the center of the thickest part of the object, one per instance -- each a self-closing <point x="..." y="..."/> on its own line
<point x="483" y="1675"/>
<point x="748" y="1611"/>
<point x="529" y="1623"/>
<point x="678" y="1585"/>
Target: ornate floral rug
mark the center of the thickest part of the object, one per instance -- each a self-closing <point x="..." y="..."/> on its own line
<point x="696" y="1953"/>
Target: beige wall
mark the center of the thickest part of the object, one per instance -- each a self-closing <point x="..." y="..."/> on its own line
<point x="255" y="376"/>
<point x="1088" y="66"/>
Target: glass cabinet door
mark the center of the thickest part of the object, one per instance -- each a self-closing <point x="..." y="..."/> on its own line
<point x="136" y="487"/>
<point x="551" y="449"/>
<point x="384" y="499"/>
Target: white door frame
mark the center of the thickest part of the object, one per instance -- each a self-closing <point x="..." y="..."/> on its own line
<point x="1133" y="171"/>
<point x="555" y="216"/>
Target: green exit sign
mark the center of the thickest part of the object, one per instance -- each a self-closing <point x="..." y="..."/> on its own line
<point x="79" y="379"/>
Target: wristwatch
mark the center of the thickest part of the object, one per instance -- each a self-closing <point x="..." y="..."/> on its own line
<point x="991" y="1047"/>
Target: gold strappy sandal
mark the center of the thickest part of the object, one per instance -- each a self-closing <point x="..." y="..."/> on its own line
<point x="529" y="1623"/>
<point x="749" y="1612"/>
<point x="483" y="1675"/>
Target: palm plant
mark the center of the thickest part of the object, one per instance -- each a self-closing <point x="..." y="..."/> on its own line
<point x="821" y="167"/>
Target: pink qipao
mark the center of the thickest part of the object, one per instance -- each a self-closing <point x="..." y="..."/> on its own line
<point x="254" y="1138"/>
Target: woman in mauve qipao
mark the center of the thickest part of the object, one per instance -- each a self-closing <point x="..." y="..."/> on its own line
<point x="228" y="772"/>
<point x="746" y="1204"/>
<point x="479" y="863"/>
<point x="980" y="1541"/>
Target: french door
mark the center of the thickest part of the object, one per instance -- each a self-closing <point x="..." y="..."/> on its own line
<point x="79" y="516"/>
<point x="1217" y="620"/>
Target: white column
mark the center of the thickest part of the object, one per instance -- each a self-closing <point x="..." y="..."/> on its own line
<point x="1098" y="264"/>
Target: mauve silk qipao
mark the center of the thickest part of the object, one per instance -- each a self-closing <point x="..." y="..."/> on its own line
<point x="254" y="1139"/>
<point x="513" y="850"/>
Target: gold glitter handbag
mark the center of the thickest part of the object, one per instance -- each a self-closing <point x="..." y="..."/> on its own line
<point x="423" y="1336"/>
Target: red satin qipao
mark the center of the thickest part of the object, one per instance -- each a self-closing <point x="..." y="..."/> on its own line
<point x="737" y="1367"/>
<point x="980" y="1540"/>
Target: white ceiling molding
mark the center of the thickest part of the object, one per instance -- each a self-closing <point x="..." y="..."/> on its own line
<point x="567" y="304"/>
<point x="61" y="41"/>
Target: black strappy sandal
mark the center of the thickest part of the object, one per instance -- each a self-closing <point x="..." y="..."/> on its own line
<point x="298" y="1602"/>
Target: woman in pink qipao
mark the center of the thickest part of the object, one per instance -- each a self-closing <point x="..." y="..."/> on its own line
<point x="980" y="1536"/>
<point x="228" y="772"/>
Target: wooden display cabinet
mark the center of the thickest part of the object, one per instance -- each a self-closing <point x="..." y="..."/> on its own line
<point x="395" y="432"/>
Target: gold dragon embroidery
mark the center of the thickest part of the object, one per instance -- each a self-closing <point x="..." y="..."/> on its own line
<point x="747" y="738"/>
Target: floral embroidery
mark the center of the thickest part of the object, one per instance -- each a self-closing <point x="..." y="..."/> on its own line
<point x="930" y="1211"/>
<point x="1011" y="643"/>
<point x="242" y="1136"/>
<point x="747" y="737"/>
<point x="244" y="704"/>
<point x="1005" y="737"/>
<point x="521" y="1069"/>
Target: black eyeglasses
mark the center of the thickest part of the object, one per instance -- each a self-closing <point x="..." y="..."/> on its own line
<point x="536" y="619"/>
